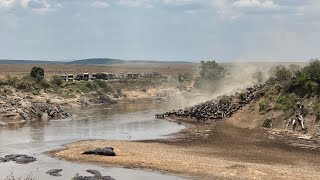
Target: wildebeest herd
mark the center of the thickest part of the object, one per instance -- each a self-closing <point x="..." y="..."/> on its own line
<point x="216" y="109"/>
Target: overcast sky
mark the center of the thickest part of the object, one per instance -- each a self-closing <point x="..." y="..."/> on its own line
<point x="224" y="30"/>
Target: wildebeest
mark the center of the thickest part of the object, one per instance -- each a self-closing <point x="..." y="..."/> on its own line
<point x="213" y="109"/>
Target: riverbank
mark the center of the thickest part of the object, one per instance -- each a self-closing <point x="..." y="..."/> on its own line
<point x="207" y="151"/>
<point x="16" y="105"/>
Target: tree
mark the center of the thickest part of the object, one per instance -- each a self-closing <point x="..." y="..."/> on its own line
<point x="210" y="70"/>
<point x="281" y="73"/>
<point x="313" y="70"/>
<point x="37" y="73"/>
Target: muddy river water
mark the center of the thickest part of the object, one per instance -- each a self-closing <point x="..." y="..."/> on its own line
<point x="118" y="122"/>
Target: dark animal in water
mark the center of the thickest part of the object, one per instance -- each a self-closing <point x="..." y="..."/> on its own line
<point x="54" y="172"/>
<point x="97" y="176"/>
<point x="18" y="158"/>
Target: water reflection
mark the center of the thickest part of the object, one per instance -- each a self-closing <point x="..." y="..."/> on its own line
<point x="119" y="121"/>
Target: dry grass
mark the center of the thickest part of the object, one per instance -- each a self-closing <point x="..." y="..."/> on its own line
<point x="54" y="69"/>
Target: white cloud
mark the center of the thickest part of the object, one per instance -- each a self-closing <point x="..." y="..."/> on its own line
<point x="40" y="6"/>
<point x="136" y="3"/>
<point x="100" y="4"/>
<point x="153" y="3"/>
<point x="268" y="4"/>
<point x="180" y="2"/>
<point x="6" y="3"/>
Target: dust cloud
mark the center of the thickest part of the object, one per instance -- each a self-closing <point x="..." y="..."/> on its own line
<point x="238" y="76"/>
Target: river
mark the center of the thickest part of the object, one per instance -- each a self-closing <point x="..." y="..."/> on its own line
<point x="116" y="122"/>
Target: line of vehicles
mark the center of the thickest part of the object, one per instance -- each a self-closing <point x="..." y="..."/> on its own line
<point x="107" y="76"/>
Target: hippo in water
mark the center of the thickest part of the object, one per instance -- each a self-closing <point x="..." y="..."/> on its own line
<point x="54" y="172"/>
<point x="18" y="158"/>
<point x="96" y="176"/>
<point x="107" y="151"/>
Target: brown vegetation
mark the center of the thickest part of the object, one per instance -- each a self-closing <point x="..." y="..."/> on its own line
<point x="57" y="69"/>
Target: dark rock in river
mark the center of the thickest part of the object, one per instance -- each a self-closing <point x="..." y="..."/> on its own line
<point x="108" y="151"/>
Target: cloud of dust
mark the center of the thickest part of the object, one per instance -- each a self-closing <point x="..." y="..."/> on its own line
<point x="238" y="76"/>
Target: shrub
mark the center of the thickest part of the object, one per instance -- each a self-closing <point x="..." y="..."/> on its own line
<point x="56" y="80"/>
<point x="44" y="84"/>
<point x="264" y="105"/>
<point x="311" y="86"/>
<point x="103" y="85"/>
<point x="11" y="81"/>
<point x="37" y="73"/>
<point x="287" y="102"/>
<point x="25" y="85"/>
<point x="281" y="73"/>
<point x="90" y="85"/>
<point x="316" y="111"/>
<point x="312" y="71"/>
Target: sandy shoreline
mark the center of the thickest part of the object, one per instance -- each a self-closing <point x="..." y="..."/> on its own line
<point x="219" y="151"/>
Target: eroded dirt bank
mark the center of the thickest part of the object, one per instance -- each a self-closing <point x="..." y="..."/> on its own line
<point x="219" y="150"/>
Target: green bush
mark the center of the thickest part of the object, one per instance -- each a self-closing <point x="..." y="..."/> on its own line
<point x="25" y="85"/>
<point x="311" y="86"/>
<point x="264" y="105"/>
<point x="56" y="80"/>
<point x="316" y="110"/>
<point x="312" y="71"/>
<point x="281" y="73"/>
<point x="11" y="81"/>
<point x="287" y="102"/>
<point x="103" y="85"/>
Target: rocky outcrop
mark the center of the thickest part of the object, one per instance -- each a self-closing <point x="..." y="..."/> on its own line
<point x="15" y="110"/>
<point x="52" y="111"/>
